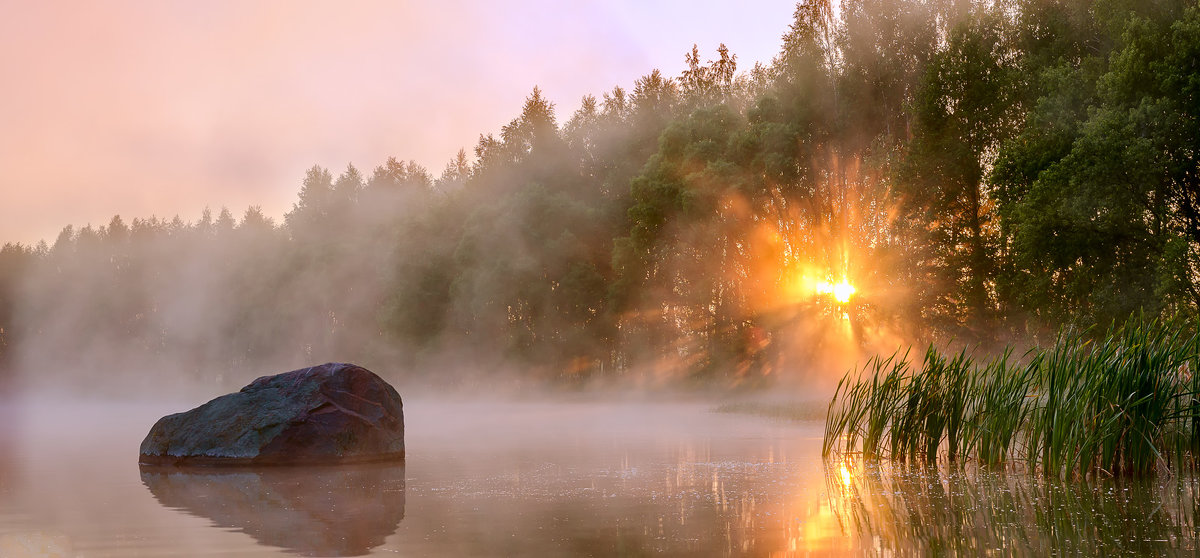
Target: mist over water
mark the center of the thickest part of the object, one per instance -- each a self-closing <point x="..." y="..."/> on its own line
<point x="487" y="478"/>
<point x="535" y="478"/>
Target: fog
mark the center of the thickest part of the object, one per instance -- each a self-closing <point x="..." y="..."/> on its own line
<point x="679" y="231"/>
<point x="567" y="477"/>
<point x="668" y="235"/>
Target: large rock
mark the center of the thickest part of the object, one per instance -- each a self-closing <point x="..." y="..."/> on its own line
<point x="332" y="413"/>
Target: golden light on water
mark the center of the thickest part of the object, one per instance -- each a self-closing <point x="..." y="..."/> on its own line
<point x="847" y="479"/>
<point x="842" y="291"/>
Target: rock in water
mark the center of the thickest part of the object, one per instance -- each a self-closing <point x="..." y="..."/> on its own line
<point x="332" y="413"/>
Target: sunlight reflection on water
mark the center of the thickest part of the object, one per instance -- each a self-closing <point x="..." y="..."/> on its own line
<point x="531" y="479"/>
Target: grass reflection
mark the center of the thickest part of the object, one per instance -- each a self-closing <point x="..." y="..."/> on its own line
<point x="918" y="510"/>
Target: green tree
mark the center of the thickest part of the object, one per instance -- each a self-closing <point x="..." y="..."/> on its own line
<point x="964" y="110"/>
<point x="1098" y="190"/>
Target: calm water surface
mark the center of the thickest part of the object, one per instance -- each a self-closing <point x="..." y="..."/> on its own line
<point x="534" y="479"/>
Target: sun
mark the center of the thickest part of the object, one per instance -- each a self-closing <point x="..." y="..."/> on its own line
<point x="841" y="291"/>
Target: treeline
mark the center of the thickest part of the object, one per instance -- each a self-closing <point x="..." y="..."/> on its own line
<point x="979" y="170"/>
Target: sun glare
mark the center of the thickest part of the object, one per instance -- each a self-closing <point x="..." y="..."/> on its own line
<point x="841" y="291"/>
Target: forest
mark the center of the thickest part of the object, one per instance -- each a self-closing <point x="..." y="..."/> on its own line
<point x="958" y="172"/>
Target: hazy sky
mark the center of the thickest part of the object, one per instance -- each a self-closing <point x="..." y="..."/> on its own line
<point x="162" y="108"/>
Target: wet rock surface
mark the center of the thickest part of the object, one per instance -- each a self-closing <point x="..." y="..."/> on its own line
<point x="332" y="413"/>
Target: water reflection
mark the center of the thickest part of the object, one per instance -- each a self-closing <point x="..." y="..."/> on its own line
<point x="563" y="480"/>
<point x="916" y="511"/>
<point x="325" y="511"/>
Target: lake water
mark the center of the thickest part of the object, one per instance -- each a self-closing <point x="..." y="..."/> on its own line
<point x="540" y="479"/>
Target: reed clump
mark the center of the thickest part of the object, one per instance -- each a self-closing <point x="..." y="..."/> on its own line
<point x="1126" y="403"/>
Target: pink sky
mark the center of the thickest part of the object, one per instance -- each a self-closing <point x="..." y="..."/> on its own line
<point x="163" y="108"/>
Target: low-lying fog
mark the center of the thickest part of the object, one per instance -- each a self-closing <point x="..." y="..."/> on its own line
<point x="482" y="477"/>
<point x="492" y="477"/>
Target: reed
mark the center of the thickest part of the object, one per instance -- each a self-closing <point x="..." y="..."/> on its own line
<point x="1124" y="403"/>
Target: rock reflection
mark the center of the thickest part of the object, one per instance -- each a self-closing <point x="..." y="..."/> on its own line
<point x="320" y="511"/>
<point x="915" y="511"/>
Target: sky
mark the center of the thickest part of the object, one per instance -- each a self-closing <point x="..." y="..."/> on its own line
<point x="141" y="108"/>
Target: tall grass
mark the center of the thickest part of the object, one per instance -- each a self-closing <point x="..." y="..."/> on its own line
<point x="1126" y="403"/>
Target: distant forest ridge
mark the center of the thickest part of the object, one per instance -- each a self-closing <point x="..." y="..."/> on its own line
<point x="977" y="172"/>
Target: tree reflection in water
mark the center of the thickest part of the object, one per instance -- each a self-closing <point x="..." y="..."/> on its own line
<point x="309" y="511"/>
<point x="919" y="510"/>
